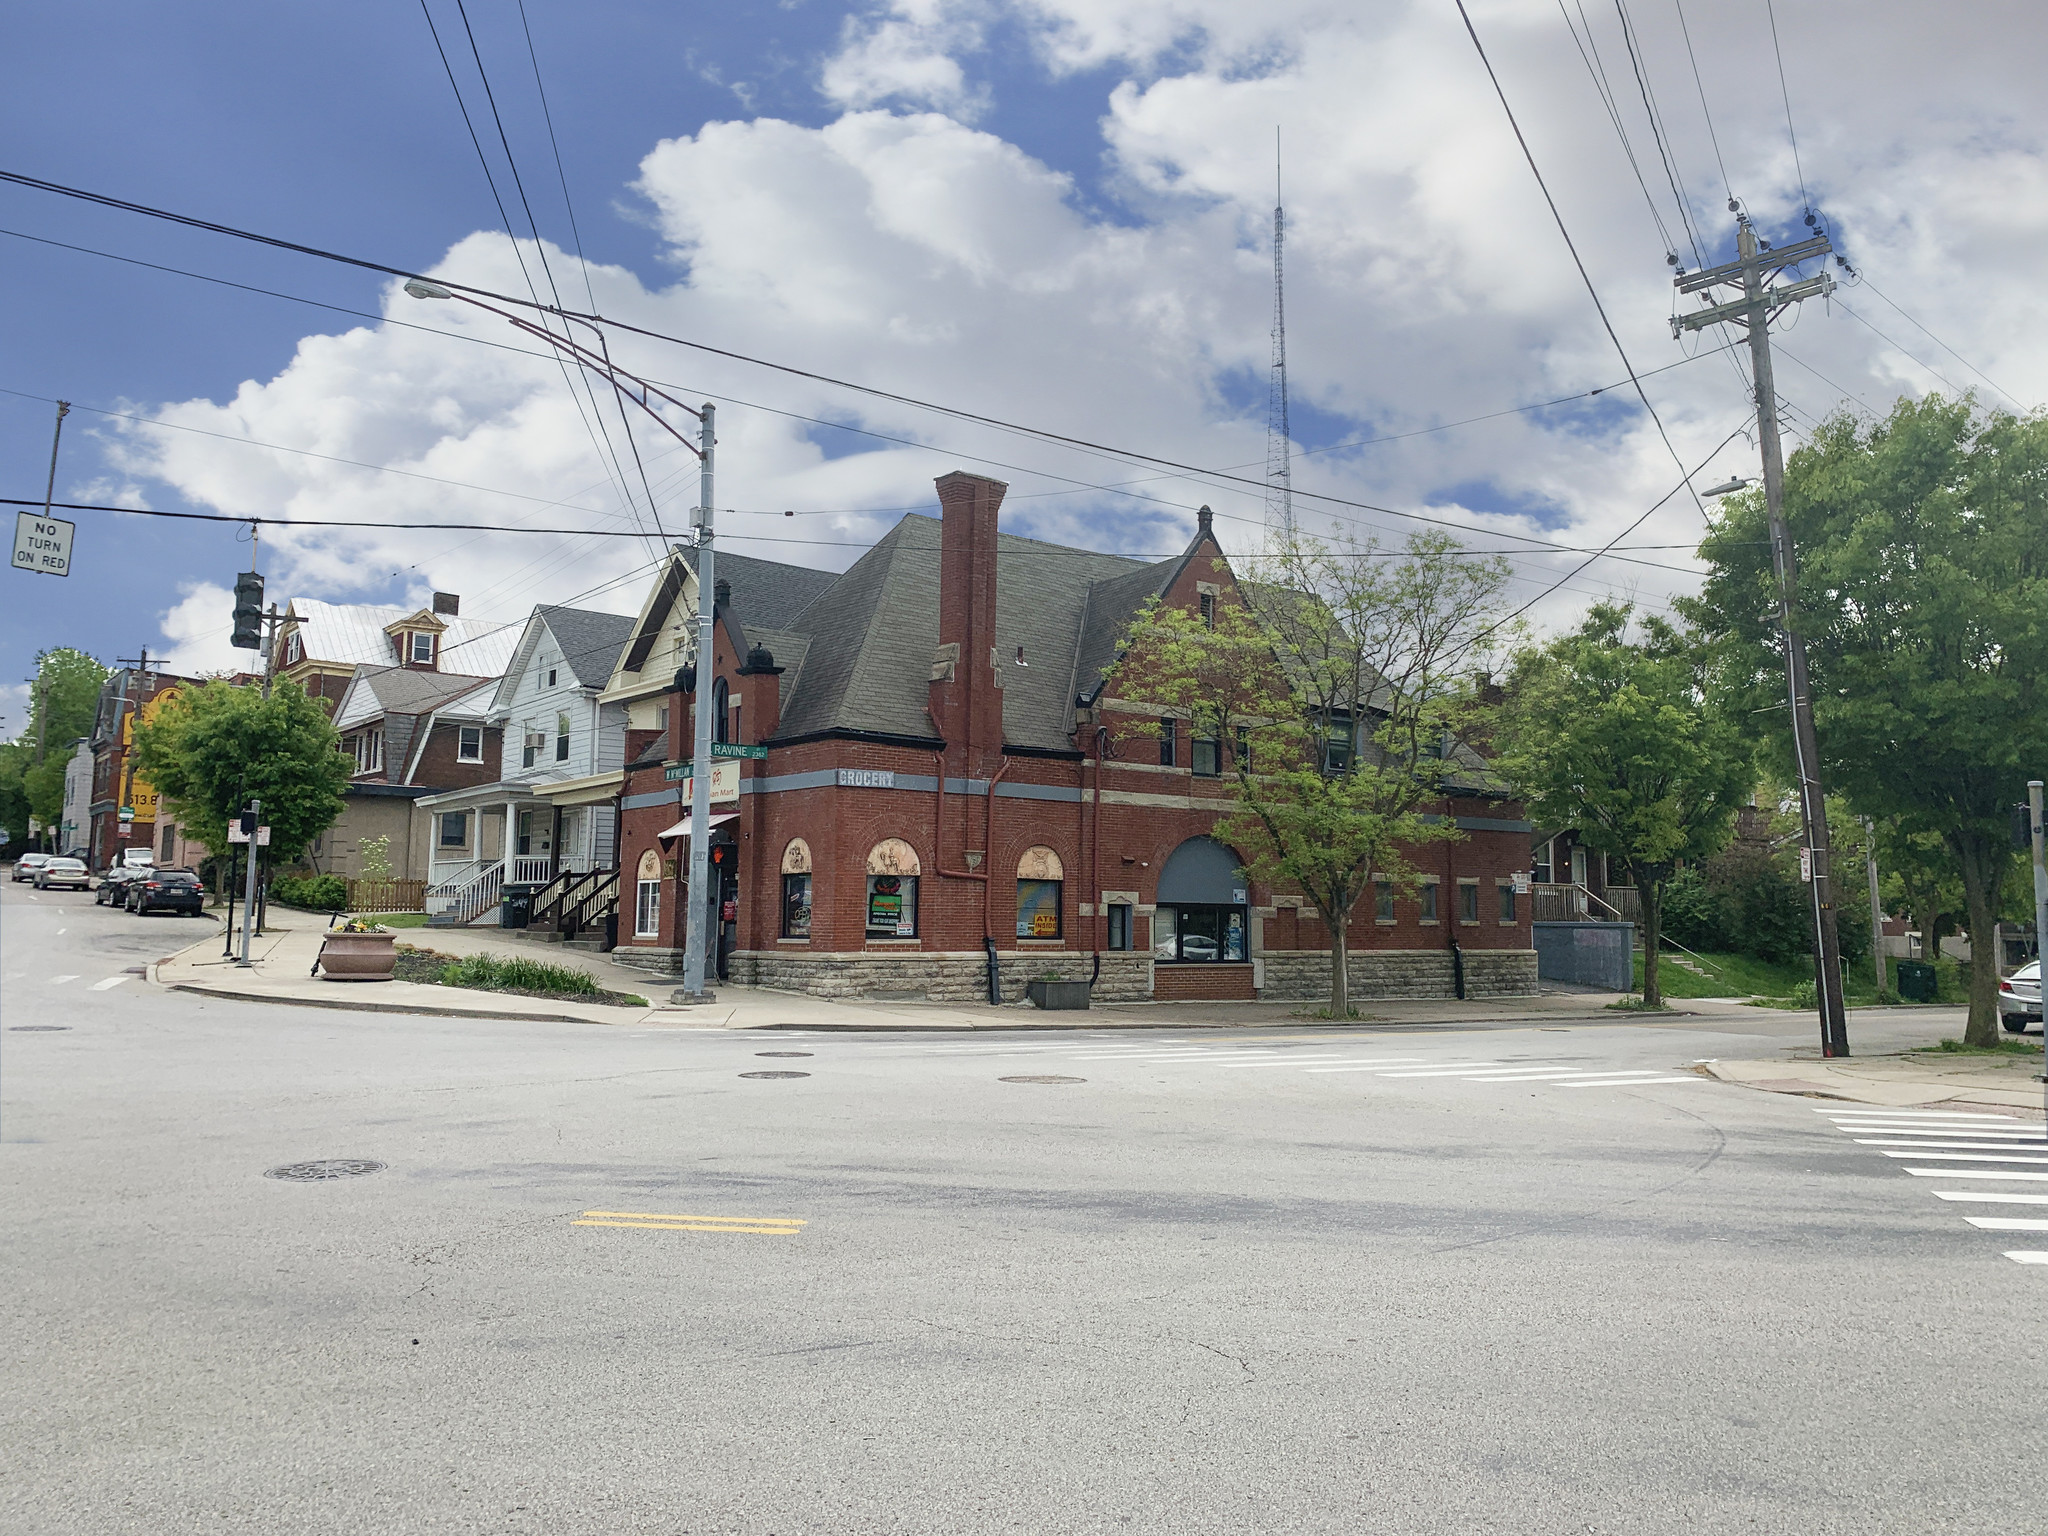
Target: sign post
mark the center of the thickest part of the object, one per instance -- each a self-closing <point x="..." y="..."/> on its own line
<point x="251" y="823"/>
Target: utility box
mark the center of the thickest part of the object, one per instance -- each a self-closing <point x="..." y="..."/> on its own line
<point x="1916" y="981"/>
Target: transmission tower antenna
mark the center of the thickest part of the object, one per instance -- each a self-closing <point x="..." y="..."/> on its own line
<point x="1279" y="445"/>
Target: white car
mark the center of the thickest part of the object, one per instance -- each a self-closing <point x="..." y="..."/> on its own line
<point x="2019" y="998"/>
<point x="26" y="866"/>
<point x="69" y="873"/>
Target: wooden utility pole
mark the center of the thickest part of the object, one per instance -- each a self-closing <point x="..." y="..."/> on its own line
<point x="1752" y="270"/>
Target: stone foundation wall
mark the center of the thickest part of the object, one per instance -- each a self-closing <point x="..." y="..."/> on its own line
<point x="1420" y="973"/>
<point x="949" y="977"/>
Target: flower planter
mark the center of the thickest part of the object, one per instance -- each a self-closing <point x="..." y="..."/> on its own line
<point x="1057" y="994"/>
<point x="359" y="956"/>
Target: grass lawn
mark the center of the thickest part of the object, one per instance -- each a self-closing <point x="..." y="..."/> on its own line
<point x="395" y="919"/>
<point x="1733" y="975"/>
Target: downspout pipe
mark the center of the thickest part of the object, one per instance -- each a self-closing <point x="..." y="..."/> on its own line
<point x="988" y="940"/>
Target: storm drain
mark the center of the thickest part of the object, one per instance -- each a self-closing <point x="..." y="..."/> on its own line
<point x="775" y="1074"/>
<point x="1041" y="1079"/>
<point x="36" y="1029"/>
<point x="323" y="1169"/>
<point x="785" y="1053"/>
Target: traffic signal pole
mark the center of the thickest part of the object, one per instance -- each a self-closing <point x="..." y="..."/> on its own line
<point x="696" y="924"/>
<point x="252" y="820"/>
<point x="1754" y="310"/>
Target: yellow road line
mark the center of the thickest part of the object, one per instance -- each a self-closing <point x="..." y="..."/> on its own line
<point x="690" y="1226"/>
<point x="748" y="1221"/>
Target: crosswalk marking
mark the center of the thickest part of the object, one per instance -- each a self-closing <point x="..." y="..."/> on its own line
<point x="58" y="981"/>
<point x="111" y="981"/>
<point x="1881" y="1113"/>
<point x="1635" y="1082"/>
<point x="1975" y="1173"/>
<point x="1942" y="1128"/>
<point x="1967" y="1157"/>
<point x="1954" y="1146"/>
<point x="2006" y="1224"/>
<point x="2025" y="1256"/>
<point x="1989" y="1197"/>
<point x="1447" y="1069"/>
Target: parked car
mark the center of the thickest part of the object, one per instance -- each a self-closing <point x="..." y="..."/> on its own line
<point x="113" y="887"/>
<point x="69" y="873"/>
<point x="26" y="866"/>
<point x="176" y="890"/>
<point x="2019" y="999"/>
<point x="137" y="858"/>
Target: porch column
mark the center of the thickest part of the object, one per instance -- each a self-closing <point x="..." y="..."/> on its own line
<point x="510" y="850"/>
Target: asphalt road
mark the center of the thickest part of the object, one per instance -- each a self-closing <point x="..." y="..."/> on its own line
<point x="1204" y="1289"/>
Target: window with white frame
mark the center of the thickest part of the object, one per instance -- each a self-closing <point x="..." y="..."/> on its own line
<point x="455" y="829"/>
<point x="422" y="648"/>
<point x="469" y="744"/>
<point x="294" y="649"/>
<point x="536" y="743"/>
<point x="370" y="751"/>
<point x="561" y="738"/>
<point x="647" y="910"/>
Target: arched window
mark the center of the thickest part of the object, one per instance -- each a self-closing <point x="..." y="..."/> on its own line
<point x="1204" y="911"/>
<point x="721" y="711"/>
<point x="893" y="871"/>
<point x="796" y="889"/>
<point x="1040" y="880"/>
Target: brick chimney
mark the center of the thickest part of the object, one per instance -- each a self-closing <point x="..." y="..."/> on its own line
<point x="966" y="691"/>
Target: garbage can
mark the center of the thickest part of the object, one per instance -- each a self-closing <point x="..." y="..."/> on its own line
<point x="515" y="906"/>
<point x="1916" y="981"/>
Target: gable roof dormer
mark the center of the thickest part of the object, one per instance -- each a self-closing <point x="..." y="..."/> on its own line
<point x="416" y="640"/>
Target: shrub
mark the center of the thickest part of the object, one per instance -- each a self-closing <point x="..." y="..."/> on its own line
<point x="311" y="893"/>
<point x="492" y="974"/>
<point x="1696" y="913"/>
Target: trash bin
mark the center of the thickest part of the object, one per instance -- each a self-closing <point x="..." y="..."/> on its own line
<point x="515" y="906"/>
<point x="1916" y="981"/>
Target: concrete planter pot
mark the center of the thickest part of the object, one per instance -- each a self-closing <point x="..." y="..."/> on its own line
<point x="359" y="956"/>
<point x="1057" y="994"/>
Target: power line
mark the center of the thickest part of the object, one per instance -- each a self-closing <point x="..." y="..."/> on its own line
<point x="1863" y="281"/>
<point x="1605" y="92"/>
<point x="1705" y="111"/>
<point x="1785" y="92"/>
<point x="1671" y="175"/>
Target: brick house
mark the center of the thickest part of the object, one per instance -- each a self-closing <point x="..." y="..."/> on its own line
<point x="319" y="645"/>
<point x="918" y="779"/>
<point x="128" y="696"/>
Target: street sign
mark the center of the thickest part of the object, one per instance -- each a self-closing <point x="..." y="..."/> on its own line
<point x="42" y="544"/>
<point x="737" y="749"/>
<point x="237" y="835"/>
<point x="127" y="814"/>
<point x="725" y="780"/>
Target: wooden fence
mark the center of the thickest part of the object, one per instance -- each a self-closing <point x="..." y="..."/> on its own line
<point x="387" y="895"/>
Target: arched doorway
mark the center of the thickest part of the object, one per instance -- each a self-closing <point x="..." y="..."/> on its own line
<point x="1203" y="916"/>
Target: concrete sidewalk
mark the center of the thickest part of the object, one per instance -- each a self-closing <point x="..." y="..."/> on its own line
<point x="282" y="964"/>
<point x="1911" y="1079"/>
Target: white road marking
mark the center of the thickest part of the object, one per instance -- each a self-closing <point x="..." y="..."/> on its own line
<point x="2006" y="1224"/>
<point x="32" y="896"/>
<point x="1450" y="1069"/>
<point x="2026" y="1256"/>
<point x="58" y="981"/>
<point x="1933" y="1127"/>
<point x="1881" y="1113"/>
<point x="1635" y="1082"/>
<point x="1955" y="1146"/>
<point x="1989" y="1197"/>
<point x="1544" y="1074"/>
<point x="1975" y="1173"/>
<point x="1293" y="1061"/>
<point x="1990" y="1133"/>
<point x="1967" y="1157"/>
<point x="62" y="931"/>
<point x="110" y="982"/>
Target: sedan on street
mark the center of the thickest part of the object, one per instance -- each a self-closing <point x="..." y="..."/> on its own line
<point x="2019" y="999"/>
<point x="26" y="866"/>
<point x="112" y="890"/>
<point x="173" y="890"/>
<point x="69" y="873"/>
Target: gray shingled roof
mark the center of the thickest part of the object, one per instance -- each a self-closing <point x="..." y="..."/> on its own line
<point x="590" y="641"/>
<point x="765" y="592"/>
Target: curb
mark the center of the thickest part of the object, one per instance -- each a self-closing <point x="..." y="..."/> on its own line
<point x="202" y="989"/>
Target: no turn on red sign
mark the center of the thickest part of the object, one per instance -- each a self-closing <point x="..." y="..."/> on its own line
<point x="42" y="544"/>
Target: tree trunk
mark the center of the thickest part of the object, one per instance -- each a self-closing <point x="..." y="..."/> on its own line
<point x="1983" y="872"/>
<point x="1339" y="924"/>
<point x="1651" y="893"/>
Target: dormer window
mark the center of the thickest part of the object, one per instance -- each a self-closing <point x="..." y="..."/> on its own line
<point x="420" y="647"/>
<point x="294" y="649"/>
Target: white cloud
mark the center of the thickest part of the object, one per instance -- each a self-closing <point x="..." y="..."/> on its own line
<point x="198" y="628"/>
<point x="916" y="253"/>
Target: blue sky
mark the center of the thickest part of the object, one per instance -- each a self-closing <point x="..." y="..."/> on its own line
<point x="1047" y="211"/>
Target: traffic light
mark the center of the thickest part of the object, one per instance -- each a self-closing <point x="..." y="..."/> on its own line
<point x="248" y="612"/>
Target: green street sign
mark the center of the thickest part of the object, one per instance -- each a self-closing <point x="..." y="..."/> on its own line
<point x="734" y="749"/>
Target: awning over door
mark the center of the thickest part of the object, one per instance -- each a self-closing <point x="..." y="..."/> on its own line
<point x="682" y="828"/>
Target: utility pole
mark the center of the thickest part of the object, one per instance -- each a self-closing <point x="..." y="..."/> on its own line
<point x="2034" y="827"/>
<point x="1876" y="905"/>
<point x="1754" y="309"/>
<point x="696" y="926"/>
<point x="1279" y="433"/>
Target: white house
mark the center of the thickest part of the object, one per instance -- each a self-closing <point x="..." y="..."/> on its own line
<point x="551" y="809"/>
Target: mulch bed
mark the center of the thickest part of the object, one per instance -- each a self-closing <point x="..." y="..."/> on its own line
<point x="424" y="966"/>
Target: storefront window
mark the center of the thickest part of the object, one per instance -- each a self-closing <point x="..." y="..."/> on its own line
<point x="1119" y="927"/>
<point x="892" y="907"/>
<point x="1200" y="935"/>
<point x="796" y="906"/>
<point x="1038" y="909"/>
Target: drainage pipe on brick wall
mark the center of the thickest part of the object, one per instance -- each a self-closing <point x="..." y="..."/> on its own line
<point x="988" y="939"/>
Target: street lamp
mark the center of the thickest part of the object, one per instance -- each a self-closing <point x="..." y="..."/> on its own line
<point x="695" y="935"/>
<point x="1728" y="487"/>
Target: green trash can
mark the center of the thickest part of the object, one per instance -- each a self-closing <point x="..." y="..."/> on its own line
<point x="1916" y="981"/>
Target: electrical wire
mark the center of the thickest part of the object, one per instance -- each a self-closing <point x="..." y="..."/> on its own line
<point x="1865" y="282"/>
<point x="1705" y="112"/>
<point x="1606" y="94"/>
<point x="1785" y="92"/>
<point x="1628" y="36"/>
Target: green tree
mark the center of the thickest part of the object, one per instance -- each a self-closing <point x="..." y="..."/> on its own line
<point x="1336" y="682"/>
<point x="1615" y="737"/>
<point x="63" y="697"/>
<point x="216" y="746"/>
<point x="1923" y="596"/>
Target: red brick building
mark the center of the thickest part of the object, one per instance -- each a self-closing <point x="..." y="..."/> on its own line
<point x="919" y="776"/>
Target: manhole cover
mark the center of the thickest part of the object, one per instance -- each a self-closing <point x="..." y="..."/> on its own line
<point x="784" y="1053"/>
<point x="324" y="1168"/>
<point x="1041" y="1079"/>
<point x="775" y="1074"/>
<point x="35" y="1029"/>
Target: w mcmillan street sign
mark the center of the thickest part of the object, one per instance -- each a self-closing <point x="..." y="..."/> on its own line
<point x="42" y="544"/>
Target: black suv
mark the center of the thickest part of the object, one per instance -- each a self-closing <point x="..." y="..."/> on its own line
<point x="176" y="890"/>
